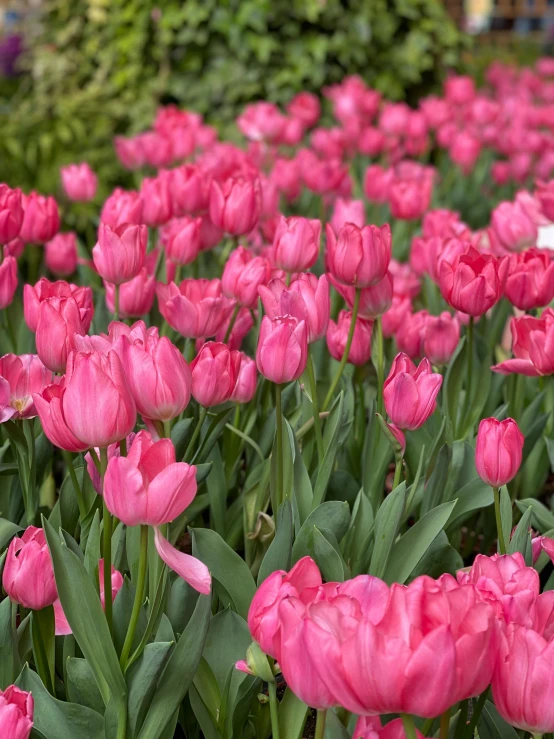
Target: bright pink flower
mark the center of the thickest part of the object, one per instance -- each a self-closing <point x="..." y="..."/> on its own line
<point x="282" y="349"/>
<point x="286" y="175"/>
<point x="247" y="379"/>
<point x="16" y="713"/>
<point x="532" y="345"/>
<point x="129" y="151"/>
<point x="79" y="182"/>
<point x="501" y="172"/>
<point x="464" y="150"/>
<point x="473" y="282"/>
<point x="235" y="205"/>
<point x="157" y="148"/>
<point x="377" y="182"/>
<point x="409" y="198"/>
<point x="405" y="281"/>
<point x="243" y="274"/>
<point x="441" y="337"/>
<point x="61" y="254"/>
<point x="8" y="281"/>
<point x="399" y="311"/>
<point x="210" y="235"/>
<point x="156" y="200"/>
<point x="181" y="239"/>
<point x="410" y="393"/>
<point x="337" y="335"/>
<point x="215" y="371"/>
<point x="11" y="213"/>
<point x="58" y="321"/>
<point x="545" y="195"/>
<point x="359" y="257"/>
<point x="306" y="107"/>
<point x="296" y="243"/>
<point x="122" y="207"/>
<point x="530" y="281"/>
<point x="41" y="219"/>
<point x="243" y="323"/>
<point x="119" y="254"/>
<point x="20" y="377"/>
<point x="49" y="406"/>
<point x="158" y="376"/>
<point x="513" y="227"/>
<point x="371" y="141"/>
<point x="322" y="177"/>
<point x="498" y="451"/>
<point x="190" y="569"/>
<point x="190" y="189"/>
<point x="410" y="334"/>
<point x="136" y="297"/>
<point x="459" y="89"/>
<point x="306" y="299"/>
<point x="374" y="300"/>
<point x="347" y="211"/>
<point x="261" y="121"/>
<point x="28" y="576"/>
<point x="33" y="296"/>
<point x="195" y="308"/>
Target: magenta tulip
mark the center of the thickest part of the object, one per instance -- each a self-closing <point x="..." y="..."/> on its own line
<point x="410" y="392"/>
<point x="119" y="253"/>
<point x="28" y="576"/>
<point x="296" y="243"/>
<point x="214" y="373"/>
<point x="282" y="349"/>
<point x="79" y="182"/>
<point x="359" y="256"/>
<point x="498" y="451"/>
<point x="16" y="713"/>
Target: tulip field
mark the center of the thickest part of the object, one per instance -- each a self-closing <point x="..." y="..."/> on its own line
<point x="277" y="425"/>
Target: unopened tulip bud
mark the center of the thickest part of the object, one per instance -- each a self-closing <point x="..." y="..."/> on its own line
<point x="498" y="451"/>
<point x="282" y="349"/>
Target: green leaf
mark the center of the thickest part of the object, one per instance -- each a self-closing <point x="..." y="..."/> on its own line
<point x="288" y="463"/>
<point x="475" y="495"/>
<point x="6" y="644"/>
<point x="215" y="430"/>
<point x="453" y="381"/>
<point x="327" y="557"/>
<point x="217" y="492"/>
<point x="543" y="519"/>
<point x="491" y="725"/>
<point x="303" y="492"/>
<point x="331" y="442"/>
<point x="278" y="555"/>
<point x="7" y="530"/>
<point x="179" y="671"/>
<point x="142" y="679"/>
<point x="292" y="716"/>
<point x="81" y="685"/>
<point x="521" y="539"/>
<point x="435" y="488"/>
<point x="410" y="548"/>
<point x="42" y="636"/>
<point x="387" y="523"/>
<point x="92" y="550"/>
<point x="227" y="568"/>
<point x="227" y="641"/>
<point x="332" y="515"/>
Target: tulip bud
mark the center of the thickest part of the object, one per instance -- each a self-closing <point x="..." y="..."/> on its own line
<point x="360" y="256"/>
<point x="16" y="713"/>
<point x="377" y="182"/>
<point x="33" y="296"/>
<point x="214" y="374"/>
<point x="530" y="281"/>
<point x="410" y="393"/>
<point x="243" y="274"/>
<point x="441" y="335"/>
<point x="41" y="219"/>
<point x="374" y="300"/>
<point x="61" y="254"/>
<point x="513" y="227"/>
<point x="79" y="182"/>
<point x="235" y="205"/>
<point x="472" y="282"/>
<point x="337" y="336"/>
<point x="59" y="320"/>
<point x="119" y="253"/>
<point x="136" y="297"/>
<point x="190" y="189"/>
<point x="498" y="451"/>
<point x="247" y="379"/>
<point x="306" y="298"/>
<point x="156" y="200"/>
<point x="122" y="207"/>
<point x="195" y="308"/>
<point x="28" y="576"/>
<point x="409" y="198"/>
<point x="282" y="349"/>
<point x="181" y="239"/>
<point x="8" y="281"/>
<point x="11" y="214"/>
<point x="296" y="243"/>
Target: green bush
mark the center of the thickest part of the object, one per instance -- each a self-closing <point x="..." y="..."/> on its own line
<point x="101" y="67"/>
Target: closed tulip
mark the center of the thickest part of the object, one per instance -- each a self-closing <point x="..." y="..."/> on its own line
<point x="441" y="337"/>
<point x="119" y="253"/>
<point x="532" y="345"/>
<point x="123" y="206"/>
<point x="191" y="189"/>
<point x="247" y="379"/>
<point x="410" y="334"/>
<point x="195" y="308"/>
<point x="473" y="282"/>
<point x="498" y="451"/>
<point x="359" y="256"/>
<point x="181" y="239"/>
<point x="8" y="281"/>
<point x="41" y="219"/>
<point x="49" y="406"/>
<point x="282" y="349"/>
<point x="374" y="300"/>
<point x="409" y="198"/>
<point x="156" y="200"/>
<point x="410" y="392"/>
<point x="296" y="243"/>
<point x="11" y="214"/>
<point x="235" y="205"/>
<point x="214" y="373"/>
<point x="347" y="211"/>
<point x="16" y="713"/>
<point x="159" y="378"/>
<point x="306" y="107"/>
<point x="243" y="274"/>
<point x="136" y="297"/>
<point x="399" y="311"/>
<point x="28" y="576"/>
<point x="61" y="254"/>
<point x="513" y="227"/>
<point x="79" y="182"/>
<point x="21" y="376"/>
<point x="59" y="320"/>
<point x="377" y="182"/>
<point x="306" y="298"/>
<point x="337" y="336"/>
<point x="530" y="280"/>
<point x="33" y="296"/>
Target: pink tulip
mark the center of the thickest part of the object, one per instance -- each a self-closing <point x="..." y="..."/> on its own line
<point x="20" y="377"/>
<point x="158" y="376"/>
<point x="11" y="213"/>
<point x="409" y="198"/>
<point x="464" y="150"/>
<point x="129" y="151"/>
<point x="8" y="281"/>
<point x="405" y="281"/>
<point x="545" y="195"/>
<point x="371" y="141"/>
<point x="59" y="320"/>
<point x="33" y="296"/>
<point x="122" y="207"/>
<point x="374" y="300"/>
<point x="210" y="234"/>
<point x="16" y="713"/>
<point x="235" y="205"/>
<point x="307" y="299"/>
<point x="324" y="177"/>
<point x="498" y="451"/>
<point x="190" y="189"/>
<point x="181" y="238"/>
<point x="513" y="227"/>
<point x="410" y="393"/>
<point x="156" y="148"/>
<point x="136" y="297"/>
<point x="459" y="89"/>
<point x="49" y="406"/>
<point x="296" y="243"/>
<point x="243" y="323"/>
<point x="441" y="337"/>
<point x="41" y="219"/>
<point x="473" y="282"/>
<point x="61" y="254"/>
<point x="113" y="450"/>
<point x="282" y="349"/>
<point x="243" y="274"/>
<point x="287" y="177"/>
<point x="396" y="315"/>
<point x="156" y="200"/>
<point x="261" y="121"/>
<point x="359" y="257"/>
<point x="347" y="211"/>
<point x="214" y="374"/>
<point x="410" y="334"/>
<point x="79" y="182"/>
<point x="377" y="182"/>
<point x="337" y="335"/>
<point x="119" y="253"/>
<point x="247" y="379"/>
<point x="441" y="222"/>
<point x="190" y="569"/>
<point x="306" y="107"/>
<point x="195" y="308"/>
<point x="28" y="576"/>
<point x="530" y="281"/>
<point x="532" y="345"/>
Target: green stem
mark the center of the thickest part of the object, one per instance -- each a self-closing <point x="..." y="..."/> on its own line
<point x="236" y="311"/>
<point x="397" y="471"/>
<point x="116" y="303"/>
<point x="462" y="720"/>
<point x="477" y="713"/>
<point x="427" y="726"/>
<point x="315" y="407"/>
<point x="247" y="439"/>
<point x="139" y="597"/>
<point x="167" y="429"/>
<point x="192" y="442"/>
<point x="320" y="725"/>
<point x="279" y="432"/>
<point x="346" y="353"/>
<point x="122" y="722"/>
<point x="10" y="329"/>
<point x="445" y="724"/>
<point x="380" y="365"/>
<point x="76" y="486"/>
<point x="274" y="710"/>
<point x="107" y="520"/>
<point x="501" y="542"/>
<point x="469" y="360"/>
<point x="409" y="728"/>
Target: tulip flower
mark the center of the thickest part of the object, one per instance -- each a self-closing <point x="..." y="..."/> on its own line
<point x="195" y="308"/>
<point x="337" y="337"/>
<point x="282" y="349"/>
<point x="410" y="392"/>
<point x="261" y="121"/>
<point x="498" y="451"/>
<point x="242" y="324"/>
<point x="325" y="176"/>
<point x="247" y="379"/>
<point x="41" y="219"/>
<point x="61" y="254"/>
<point x="243" y="274"/>
<point x="359" y="256"/>
<point x="377" y="182"/>
<point x="532" y="345"/>
<point x="399" y="311"/>
<point x="473" y="282"/>
<point x="156" y="201"/>
<point x="11" y="214"/>
<point x="181" y="239"/>
<point x="28" y="576"/>
<point x="441" y="336"/>
<point x="136" y="297"/>
<point x="16" y="713"/>
<point x="20" y="377"/>
<point x="235" y="205"/>
<point x="119" y="253"/>
<point x="79" y="182"/>
<point x="306" y="107"/>
<point x="530" y="280"/>
<point x="296" y="243"/>
<point x="122" y="207"/>
<point x="464" y="150"/>
<point x="49" y="406"/>
<point x="409" y="198"/>
<point x="460" y="89"/>
<point x="374" y="300"/>
<point x="545" y="195"/>
<point x="214" y="374"/>
<point x="59" y="320"/>
<point x="190" y="189"/>
<point x="347" y="211"/>
<point x="410" y="333"/>
<point x="287" y="178"/>
<point x="33" y="296"/>
<point x="8" y="281"/>
<point x="159" y="378"/>
<point x="513" y="227"/>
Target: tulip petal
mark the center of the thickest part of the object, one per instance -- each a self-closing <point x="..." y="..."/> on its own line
<point x="192" y="570"/>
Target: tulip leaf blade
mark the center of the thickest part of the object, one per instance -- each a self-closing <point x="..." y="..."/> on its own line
<point x="292" y="715"/>
<point x="491" y="725"/>
<point x="521" y="539"/>
<point x="387" y="523"/>
<point x="333" y="515"/>
<point x="7" y="530"/>
<point x="142" y="678"/>
<point x="453" y="381"/>
<point x="7" y="648"/>
<point x="279" y="552"/>
<point x="331" y="439"/>
<point x="543" y="519"/>
<point x="326" y="556"/>
<point x="81" y="685"/>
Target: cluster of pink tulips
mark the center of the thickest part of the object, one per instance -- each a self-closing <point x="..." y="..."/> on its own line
<point x="298" y="392"/>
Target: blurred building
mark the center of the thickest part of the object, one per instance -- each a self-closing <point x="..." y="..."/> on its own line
<point x="530" y="18"/>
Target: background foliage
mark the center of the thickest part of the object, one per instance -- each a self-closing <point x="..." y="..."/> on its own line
<point x="99" y="67"/>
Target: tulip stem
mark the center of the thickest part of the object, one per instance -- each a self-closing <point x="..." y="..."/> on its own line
<point x="167" y="429"/>
<point x="194" y="437"/>
<point x="279" y="474"/>
<point x="320" y="725"/>
<point x="315" y="408"/>
<point x="409" y="728"/>
<point x="107" y="521"/>
<point x="445" y="724"/>
<point x="116" y="303"/>
<point x="380" y="365"/>
<point x="477" y="713"/>
<point x="273" y="709"/>
<point x="236" y="310"/>
<point x="500" y="531"/>
<point x="397" y="471"/>
<point x="346" y="353"/>
<point x="469" y="360"/>
<point x="139" y="597"/>
<point x="76" y="487"/>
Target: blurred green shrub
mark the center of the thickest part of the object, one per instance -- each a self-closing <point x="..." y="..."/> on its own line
<point x="100" y="67"/>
